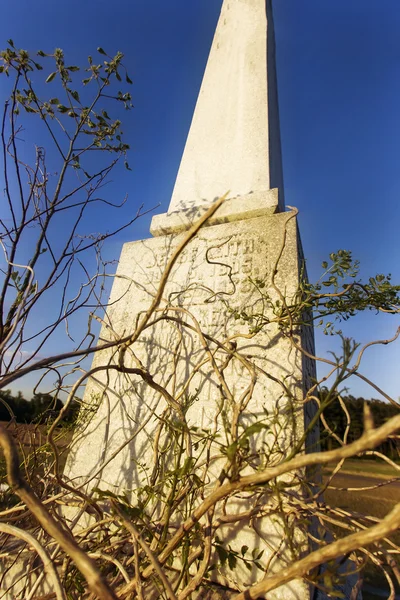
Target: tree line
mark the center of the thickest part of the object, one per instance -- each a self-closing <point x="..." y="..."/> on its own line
<point x="38" y="409"/>
<point x="338" y="421"/>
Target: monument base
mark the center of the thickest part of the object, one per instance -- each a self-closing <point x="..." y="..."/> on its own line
<point x="213" y="390"/>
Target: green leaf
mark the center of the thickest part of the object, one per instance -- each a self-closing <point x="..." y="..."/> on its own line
<point x="222" y="554"/>
<point x="254" y="429"/>
<point x="75" y="95"/>
<point x="128" y="79"/>
<point x="51" y="76"/>
<point x="231" y="451"/>
<point x="133" y="511"/>
<point x="118" y="76"/>
<point x="38" y="66"/>
<point x="73" y="69"/>
<point x="187" y="466"/>
<point x="105" y="493"/>
<point x="62" y="108"/>
<point x="231" y="561"/>
<point x="1" y="69"/>
<point x="244" y="550"/>
<point x="127" y="166"/>
<point x="101" y="51"/>
<point x="10" y="43"/>
<point x="54" y="101"/>
<point x="41" y="53"/>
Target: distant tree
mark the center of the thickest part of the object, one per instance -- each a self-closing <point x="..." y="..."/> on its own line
<point x="338" y="421"/>
<point x="39" y="409"/>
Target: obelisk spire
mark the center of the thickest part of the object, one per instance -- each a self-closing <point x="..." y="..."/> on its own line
<point x="234" y="141"/>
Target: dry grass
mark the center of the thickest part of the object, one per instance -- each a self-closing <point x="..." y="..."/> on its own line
<point x="372" y="468"/>
<point x="376" y="503"/>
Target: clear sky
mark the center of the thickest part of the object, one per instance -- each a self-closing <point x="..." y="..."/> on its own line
<point x="338" y="64"/>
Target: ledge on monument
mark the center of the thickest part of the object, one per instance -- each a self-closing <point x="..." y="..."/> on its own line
<point x="233" y="209"/>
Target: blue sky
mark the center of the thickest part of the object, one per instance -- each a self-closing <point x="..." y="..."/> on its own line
<point x="338" y="64"/>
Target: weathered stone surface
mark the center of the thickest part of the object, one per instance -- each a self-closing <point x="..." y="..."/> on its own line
<point x="211" y="281"/>
<point x="233" y="209"/>
<point x="212" y="276"/>
<point x="234" y="141"/>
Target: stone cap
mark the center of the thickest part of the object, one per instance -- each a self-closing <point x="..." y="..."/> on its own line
<point x="233" y="209"/>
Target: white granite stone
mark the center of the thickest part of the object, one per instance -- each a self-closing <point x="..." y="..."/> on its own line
<point x="233" y="209"/>
<point x="212" y="276"/>
<point x="234" y="142"/>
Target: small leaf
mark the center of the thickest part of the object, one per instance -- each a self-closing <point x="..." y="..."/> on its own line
<point x="244" y="550"/>
<point x="54" y="101"/>
<point x="118" y="76"/>
<point x="128" y="79"/>
<point x="231" y="561"/>
<point x="51" y="76"/>
<point x="105" y="493"/>
<point x="101" y="51"/>
<point x="73" y="69"/>
<point x="10" y="43"/>
<point x="231" y="451"/>
<point x="127" y="166"/>
<point x="186" y="467"/>
<point x="222" y="554"/>
<point x="254" y="429"/>
<point x="38" y="66"/>
<point x="41" y="53"/>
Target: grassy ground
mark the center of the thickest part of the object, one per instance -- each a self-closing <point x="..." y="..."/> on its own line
<point x="372" y="468"/>
<point x="376" y="503"/>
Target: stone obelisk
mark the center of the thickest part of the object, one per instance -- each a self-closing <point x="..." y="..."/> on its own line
<point x="234" y="135"/>
<point x="202" y="345"/>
